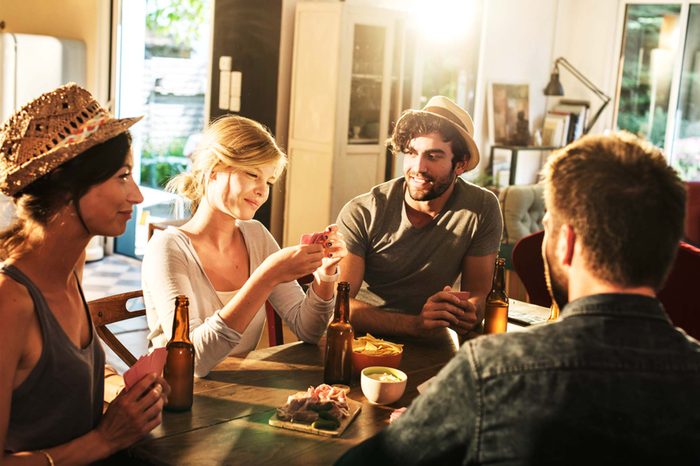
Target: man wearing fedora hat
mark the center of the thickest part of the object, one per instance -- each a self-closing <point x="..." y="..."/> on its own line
<point x="411" y="237"/>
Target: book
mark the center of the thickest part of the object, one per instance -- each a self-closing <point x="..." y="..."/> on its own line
<point x="555" y="129"/>
<point x="578" y="109"/>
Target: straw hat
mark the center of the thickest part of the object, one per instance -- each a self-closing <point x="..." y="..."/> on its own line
<point x="444" y="108"/>
<point x="51" y="130"/>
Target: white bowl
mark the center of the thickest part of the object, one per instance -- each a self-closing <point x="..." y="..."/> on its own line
<point x="382" y="392"/>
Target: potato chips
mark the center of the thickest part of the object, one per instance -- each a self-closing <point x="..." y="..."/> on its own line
<point x="372" y="346"/>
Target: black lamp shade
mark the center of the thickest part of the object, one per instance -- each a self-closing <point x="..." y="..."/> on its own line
<point x="554" y="86"/>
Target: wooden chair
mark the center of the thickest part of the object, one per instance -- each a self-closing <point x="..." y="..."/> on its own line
<point x="679" y="294"/>
<point x="113" y="309"/>
<point x="274" y="326"/>
<point x="152" y="227"/>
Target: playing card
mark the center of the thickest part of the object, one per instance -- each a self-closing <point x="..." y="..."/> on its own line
<point x="463" y="295"/>
<point x="153" y="362"/>
<point x="312" y="238"/>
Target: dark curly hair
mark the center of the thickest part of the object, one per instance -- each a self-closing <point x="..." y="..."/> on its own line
<point x="416" y="123"/>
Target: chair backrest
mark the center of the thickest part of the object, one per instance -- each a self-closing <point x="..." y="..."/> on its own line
<point x="529" y="265"/>
<point x="679" y="294"/>
<point x="113" y="309"/>
<point x="692" y="214"/>
<point x="523" y="210"/>
<point x="156" y="226"/>
<point x="275" y="335"/>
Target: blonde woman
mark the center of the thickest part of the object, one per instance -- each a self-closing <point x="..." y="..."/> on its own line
<point x="228" y="264"/>
<point x="66" y="164"/>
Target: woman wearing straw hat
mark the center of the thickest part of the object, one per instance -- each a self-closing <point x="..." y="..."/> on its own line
<point x="66" y="163"/>
<point x="228" y="263"/>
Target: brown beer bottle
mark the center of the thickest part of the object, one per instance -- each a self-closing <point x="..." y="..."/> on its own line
<point x="179" y="365"/>
<point x="553" y="312"/>
<point x="338" y="366"/>
<point x="496" y="316"/>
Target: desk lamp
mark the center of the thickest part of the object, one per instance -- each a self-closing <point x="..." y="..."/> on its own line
<point x="554" y="88"/>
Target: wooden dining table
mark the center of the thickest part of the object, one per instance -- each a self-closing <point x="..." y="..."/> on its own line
<point x="228" y="422"/>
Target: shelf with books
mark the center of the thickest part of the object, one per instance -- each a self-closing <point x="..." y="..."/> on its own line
<point x="565" y="123"/>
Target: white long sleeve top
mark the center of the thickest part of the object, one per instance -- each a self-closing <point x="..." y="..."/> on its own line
<point x="171" y="267"/>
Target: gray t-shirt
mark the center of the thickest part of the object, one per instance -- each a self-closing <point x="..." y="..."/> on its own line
<point x="405" y="265"/>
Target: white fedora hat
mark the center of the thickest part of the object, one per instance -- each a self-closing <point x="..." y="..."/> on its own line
<point x="444" y="108"/>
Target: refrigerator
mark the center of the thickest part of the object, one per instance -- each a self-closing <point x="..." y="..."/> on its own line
<point x="30" y="65"/>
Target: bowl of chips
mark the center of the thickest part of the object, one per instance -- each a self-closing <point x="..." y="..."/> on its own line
<point x="370" y="351"/>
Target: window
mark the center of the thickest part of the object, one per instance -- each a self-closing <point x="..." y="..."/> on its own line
<point x="162" y="57"/>
<point x="659" y="97"/>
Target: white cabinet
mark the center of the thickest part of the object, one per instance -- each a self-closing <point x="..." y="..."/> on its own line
<point x="348" y="87"/>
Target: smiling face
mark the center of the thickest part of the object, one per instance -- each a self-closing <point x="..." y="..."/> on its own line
<point x="239" y="192"/>
<point x="428" y="167"/>
<point x="107" y="206"/>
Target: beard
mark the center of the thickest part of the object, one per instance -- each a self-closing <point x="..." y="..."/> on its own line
<point x="557" y="282"/>
<point x="438" y="188"/>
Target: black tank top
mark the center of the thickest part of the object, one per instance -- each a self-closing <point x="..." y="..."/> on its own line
<point x="62" y="397"/>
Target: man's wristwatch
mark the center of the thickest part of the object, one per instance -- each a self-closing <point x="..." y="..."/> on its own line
<point x="328" y="278"/>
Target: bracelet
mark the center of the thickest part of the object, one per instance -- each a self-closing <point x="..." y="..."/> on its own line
<point x="49" y="458"/>
<point x="328" y="278"/>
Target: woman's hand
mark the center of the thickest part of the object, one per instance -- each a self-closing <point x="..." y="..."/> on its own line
<point x="334" y="250"/>
<point x="294" y="262"/>
<point x="134" y="413"/>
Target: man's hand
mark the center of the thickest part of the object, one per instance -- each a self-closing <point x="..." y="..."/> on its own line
<point x="443" y="309"/>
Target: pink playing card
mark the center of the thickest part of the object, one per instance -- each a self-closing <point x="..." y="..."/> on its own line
<point x="312" y="238"/>
<point x="153" y="362"/>
<point x="463" y="295"/>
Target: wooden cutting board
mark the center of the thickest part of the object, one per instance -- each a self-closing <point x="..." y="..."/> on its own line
<point x="353" y="406"/>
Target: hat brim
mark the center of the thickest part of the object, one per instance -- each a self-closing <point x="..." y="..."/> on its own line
<point x="474" y="156"/>
<point x="16" y="180"/>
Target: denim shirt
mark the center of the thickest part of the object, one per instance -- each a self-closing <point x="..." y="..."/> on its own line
<point x="611" y="382"/>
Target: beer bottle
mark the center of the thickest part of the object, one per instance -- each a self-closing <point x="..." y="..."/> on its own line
<point x="338" y="365"/>
<point x="496" y="316"/>
<point x="553" y="311"/>
<point x="179" y="364"/>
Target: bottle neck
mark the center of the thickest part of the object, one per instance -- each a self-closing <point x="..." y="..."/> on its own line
<point x="499" y="278"/>
<point x="342" y="304"/>
<point x="181" y="322"/>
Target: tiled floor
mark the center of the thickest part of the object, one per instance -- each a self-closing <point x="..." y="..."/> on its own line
<point x="118" y="274"/>
<point x="112" y="275"/>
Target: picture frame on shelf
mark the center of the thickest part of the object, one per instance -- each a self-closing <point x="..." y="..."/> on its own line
<point x="508" y="111"/>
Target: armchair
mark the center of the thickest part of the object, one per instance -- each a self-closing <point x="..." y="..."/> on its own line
<point x="523" y="210"/>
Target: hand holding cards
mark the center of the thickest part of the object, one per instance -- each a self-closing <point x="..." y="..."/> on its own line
<point x="152" y="362"/>
<point x="462" y="295"/>
<point x="319" y="237"/>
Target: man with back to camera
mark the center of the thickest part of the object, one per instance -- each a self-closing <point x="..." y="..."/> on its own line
<point x="611" y="381"/>
<point x="410" y="238"/>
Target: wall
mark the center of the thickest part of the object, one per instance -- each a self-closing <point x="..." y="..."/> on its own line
<point x="588" y="35"/>
<point x="516" y="47"/>
<point x="521" y="40"/>
<point x="86" y="20"/>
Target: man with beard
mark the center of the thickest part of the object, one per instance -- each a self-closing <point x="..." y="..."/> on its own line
<point x="611" y="381"/>
<point x="411" y="237"/>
